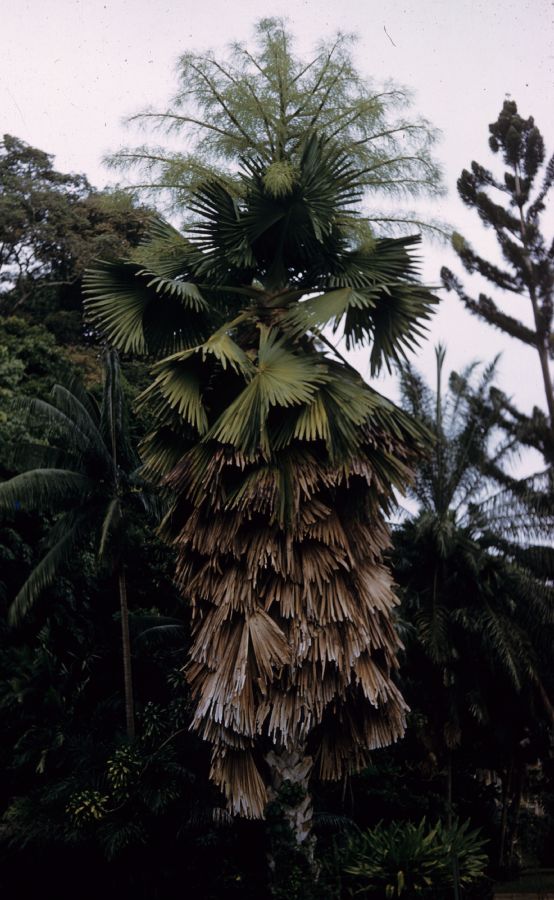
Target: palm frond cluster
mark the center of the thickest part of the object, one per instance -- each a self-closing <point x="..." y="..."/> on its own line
<point x="75" y="474"/>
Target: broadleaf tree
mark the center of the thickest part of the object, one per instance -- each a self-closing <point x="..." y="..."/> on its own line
<point x="52" y="225"/>
<point x="279" y="460"/>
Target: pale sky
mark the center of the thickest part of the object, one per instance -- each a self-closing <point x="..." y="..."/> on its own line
<point x="72" y="70"/>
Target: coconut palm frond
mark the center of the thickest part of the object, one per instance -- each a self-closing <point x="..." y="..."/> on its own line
<point x="110" y="524"/>
<point x="57" y="426"/>
<point x="43" y="489"/>
<point x="70" y="404"/>
<point x="71" y="531"/>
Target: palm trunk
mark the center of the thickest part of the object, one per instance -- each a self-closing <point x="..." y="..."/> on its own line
<point x="126" y="646"/>
<point x="455" y="861"/>
<point x="506" y="794"/>
<point x="291" y="848"/>
<point x="290" y="776"/>
<point x="516" y="809"/>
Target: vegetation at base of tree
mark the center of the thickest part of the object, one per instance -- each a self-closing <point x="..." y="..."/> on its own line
<point x="403" y="859"/>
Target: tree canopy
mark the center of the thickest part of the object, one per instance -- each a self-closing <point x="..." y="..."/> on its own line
<point x="262" y="100"/>
<point x="52" y="225"/>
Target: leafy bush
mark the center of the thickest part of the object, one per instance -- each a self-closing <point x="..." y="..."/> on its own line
<point x="407" y="860"/>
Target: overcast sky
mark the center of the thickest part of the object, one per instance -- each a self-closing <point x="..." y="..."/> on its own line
<point x="72" y="70"/>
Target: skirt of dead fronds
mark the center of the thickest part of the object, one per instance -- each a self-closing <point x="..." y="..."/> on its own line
<point x="293" y="639"/>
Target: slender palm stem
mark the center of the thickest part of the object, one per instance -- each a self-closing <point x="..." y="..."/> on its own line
<point x="126" y="647"/>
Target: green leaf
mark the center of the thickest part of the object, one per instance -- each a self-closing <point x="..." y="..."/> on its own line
<point x="331" y="307"/>
<point x="73" y="528"/>
<point x="282" y="379"/>
<point x="43" y="489"/>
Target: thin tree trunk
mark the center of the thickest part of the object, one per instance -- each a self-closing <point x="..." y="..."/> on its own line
<point x="449" y="790"/>
<point x="506" y="791"/>
<point x="516" y="809"/>
<point x="454" y="860"/>
<point x="126" y="645"/>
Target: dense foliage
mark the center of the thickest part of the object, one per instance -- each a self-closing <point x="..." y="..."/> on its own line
<point x="52" y="225"/>
<point x="408" y="860"/>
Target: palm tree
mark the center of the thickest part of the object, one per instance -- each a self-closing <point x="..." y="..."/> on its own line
<point x="87" y="473"/>
<point x="279" y="462"/>
<point x="479" y="602"/>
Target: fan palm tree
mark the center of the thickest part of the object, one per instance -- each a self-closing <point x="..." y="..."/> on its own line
<point x="279" y="461"/>
<point x="87" y="473"/>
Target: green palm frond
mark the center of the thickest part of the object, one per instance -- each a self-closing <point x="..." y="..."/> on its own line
<point x="162" y="449"/>
<point x="164" y="252"/>
<point x="177" y="386"/>
<point x="219" y="233"/>
<point x="43" y="489"/>
<point x="343" y="403"/>
<point x="326" y="309"/>
<point x="71" y="530"/>
<point x="282" y="378"/>
<point x="181" y="378"/>
<point x="226" y="350"/>
<point x="70" y="404"/>
<point x="54" y="425"/>
<point x="140" y="312"/>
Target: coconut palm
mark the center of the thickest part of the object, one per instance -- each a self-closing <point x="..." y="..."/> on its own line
<point x="87" y="474"/>
<point x="279" y="462"/>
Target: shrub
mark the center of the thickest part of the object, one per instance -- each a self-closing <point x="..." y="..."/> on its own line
<point x="407" y="860"/>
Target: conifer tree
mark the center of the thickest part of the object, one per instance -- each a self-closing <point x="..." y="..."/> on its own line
<point x="513" y="206"/>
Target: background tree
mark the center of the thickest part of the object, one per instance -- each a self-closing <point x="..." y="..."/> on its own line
<point x="480" y="608"/>
<point x="512" y="206"/>
<point x="52" y="225"/>
<point x="261" y="432"/>
<point x="88" y="469"/>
